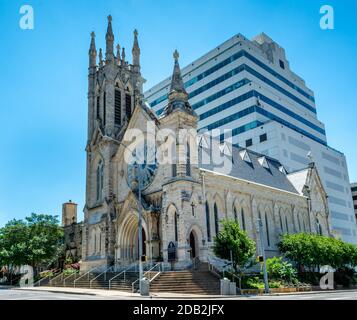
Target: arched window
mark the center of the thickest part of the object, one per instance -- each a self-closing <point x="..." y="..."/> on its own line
<point x="319" y="228"/>
<point x="267" y="229"/>
<point x="299" y="222"/>
<point x="188" y="160"/>
<point x="100" y="179"/>
<point x="95" y="242"/>
<point x="243" y="218"/>
<point x="281" y="221"/>
<point x="216" y="227"/>
<point x="286" y="224"/>
<point x="208" y="223"/>
<point x="175" y="222"/>
<point x="235" y="214"/>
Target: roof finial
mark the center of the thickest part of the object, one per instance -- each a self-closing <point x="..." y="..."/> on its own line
<point x="123" y="56"/>
<point x="178" y="97"/>
<point x="109" y="38"/>
<point x="100" y="57"/>
<point x="92" y="51"/>
<point x="118" y="53"/>
<point x="176" y="55"/>
<point x="136" y="50"/>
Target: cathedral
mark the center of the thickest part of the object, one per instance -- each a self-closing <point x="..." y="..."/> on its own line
<point x="192" y="182"/>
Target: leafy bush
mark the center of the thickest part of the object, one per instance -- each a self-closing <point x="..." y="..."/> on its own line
<point x="69" y="271"/>
<point x="258" y="283"/>
<point x="47" y="273"/>
<point x="279" y="269"/>
<point x="312" y="251"/>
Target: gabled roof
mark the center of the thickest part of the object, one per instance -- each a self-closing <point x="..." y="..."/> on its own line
<point x="247" y="166"/>
<point x="299" y="179"/>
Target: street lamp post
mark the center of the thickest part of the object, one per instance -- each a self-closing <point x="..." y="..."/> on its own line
<point x="260" y="228"/>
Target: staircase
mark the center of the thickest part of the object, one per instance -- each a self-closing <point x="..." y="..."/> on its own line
<point x="200" y="281"/>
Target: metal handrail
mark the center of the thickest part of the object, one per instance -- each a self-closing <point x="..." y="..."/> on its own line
<point x="71" y="275"/>
<point x="158" y="264"/>
<point x="38" y="283"/>
<point x="87" y="273"/>
<point x="60" y="274"/>
<point x="196" y="263"/>
<point x="104" y="272"/>
<point x="125" y="270"/>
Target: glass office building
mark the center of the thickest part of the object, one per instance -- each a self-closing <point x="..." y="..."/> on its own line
<point x="247" y="86"/>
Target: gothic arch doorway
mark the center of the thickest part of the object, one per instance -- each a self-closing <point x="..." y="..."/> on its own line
<point x="128" y="240"/>
<point x="193" y="245"/>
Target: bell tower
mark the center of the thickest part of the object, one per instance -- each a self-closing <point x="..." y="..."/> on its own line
<point x="114" y="85"/>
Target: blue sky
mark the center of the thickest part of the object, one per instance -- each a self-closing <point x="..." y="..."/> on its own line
<point x="43" y="80"/>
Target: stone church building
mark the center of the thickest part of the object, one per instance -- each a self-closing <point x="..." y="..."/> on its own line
<point x="183" y="201"/>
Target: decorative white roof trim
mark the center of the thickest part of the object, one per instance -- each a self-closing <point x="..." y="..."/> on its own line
<point x="282" y="169"/>
<point x="224" y="148"/>
<point x="203" y="141"/>
<point x="263" y="162"/>
<point x="245" y="156"/>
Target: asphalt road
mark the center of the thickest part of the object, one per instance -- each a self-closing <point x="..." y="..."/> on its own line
<point x="6" y="294"/>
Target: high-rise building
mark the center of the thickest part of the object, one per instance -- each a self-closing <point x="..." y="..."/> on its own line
<point x="247" y="86"/>
<point x="354" y="196"/>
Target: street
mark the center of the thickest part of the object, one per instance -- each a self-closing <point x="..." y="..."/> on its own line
<point x="8" y="294"/>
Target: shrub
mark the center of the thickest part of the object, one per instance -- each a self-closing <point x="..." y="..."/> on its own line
<point x="279" y="269"/>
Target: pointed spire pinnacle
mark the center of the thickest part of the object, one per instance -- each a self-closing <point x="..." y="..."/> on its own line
<point x="136" y="50"/>
<point x="123" y="56"/>
<point x="100" y="57"/>
<point x="178" y="97"/>
<point x="118" y="53"/>
<point x="176" y="81"/>
<point x="109" y="38"/>
<point x="92" y="51"/>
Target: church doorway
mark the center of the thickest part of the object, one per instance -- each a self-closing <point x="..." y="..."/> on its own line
<point x="193" y="245"/>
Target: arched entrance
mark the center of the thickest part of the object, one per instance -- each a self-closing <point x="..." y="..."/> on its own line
<point x="128" y="240"/>
<point x="193" y="245"/>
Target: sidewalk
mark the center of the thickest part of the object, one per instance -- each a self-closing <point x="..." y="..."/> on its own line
<point x="161" y="295"/>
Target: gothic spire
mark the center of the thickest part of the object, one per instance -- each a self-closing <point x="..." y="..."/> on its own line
<point x="178" y="97"/>
<point x="92" y="51"/>
<point x="136" y="50"/>
<point x="123" y="56"/>
<point x="176" y="81"/>
<point x="118" y="53"/>
<point x="109" y="38"/>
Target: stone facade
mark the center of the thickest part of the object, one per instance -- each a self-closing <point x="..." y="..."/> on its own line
<point x="182" y="203"/>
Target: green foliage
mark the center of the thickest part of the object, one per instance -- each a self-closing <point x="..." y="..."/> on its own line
<point x="47" y="273"/>
<point x="232" y="239"/>
<point x="279" y="269"/>
<point x="70" y="271"/>
<point x="36" y="240"/>
<point x="257" y="283"/>
<point x="312" y="251"/>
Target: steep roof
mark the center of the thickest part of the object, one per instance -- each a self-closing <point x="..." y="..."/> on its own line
<point x="248" y="165"/>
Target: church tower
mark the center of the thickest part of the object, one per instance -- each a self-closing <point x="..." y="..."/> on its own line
<point x="114" y="86"/>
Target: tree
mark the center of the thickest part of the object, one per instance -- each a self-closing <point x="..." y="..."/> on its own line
<point x="312" y="251"/>
<point x="37" y="240"/>
<point x="231" y="239"/>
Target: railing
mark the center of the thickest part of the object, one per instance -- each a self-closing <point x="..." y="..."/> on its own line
<point x="121" y="273"/>
<point x="85" y="274"/>
<point x="71" y="275"/>
<point x="148" y="273"/>
<point x="60" y="275"/>
<point x="196" y="263"/>
<point x="38" y="283"/>
<point x="105" y="276"/>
